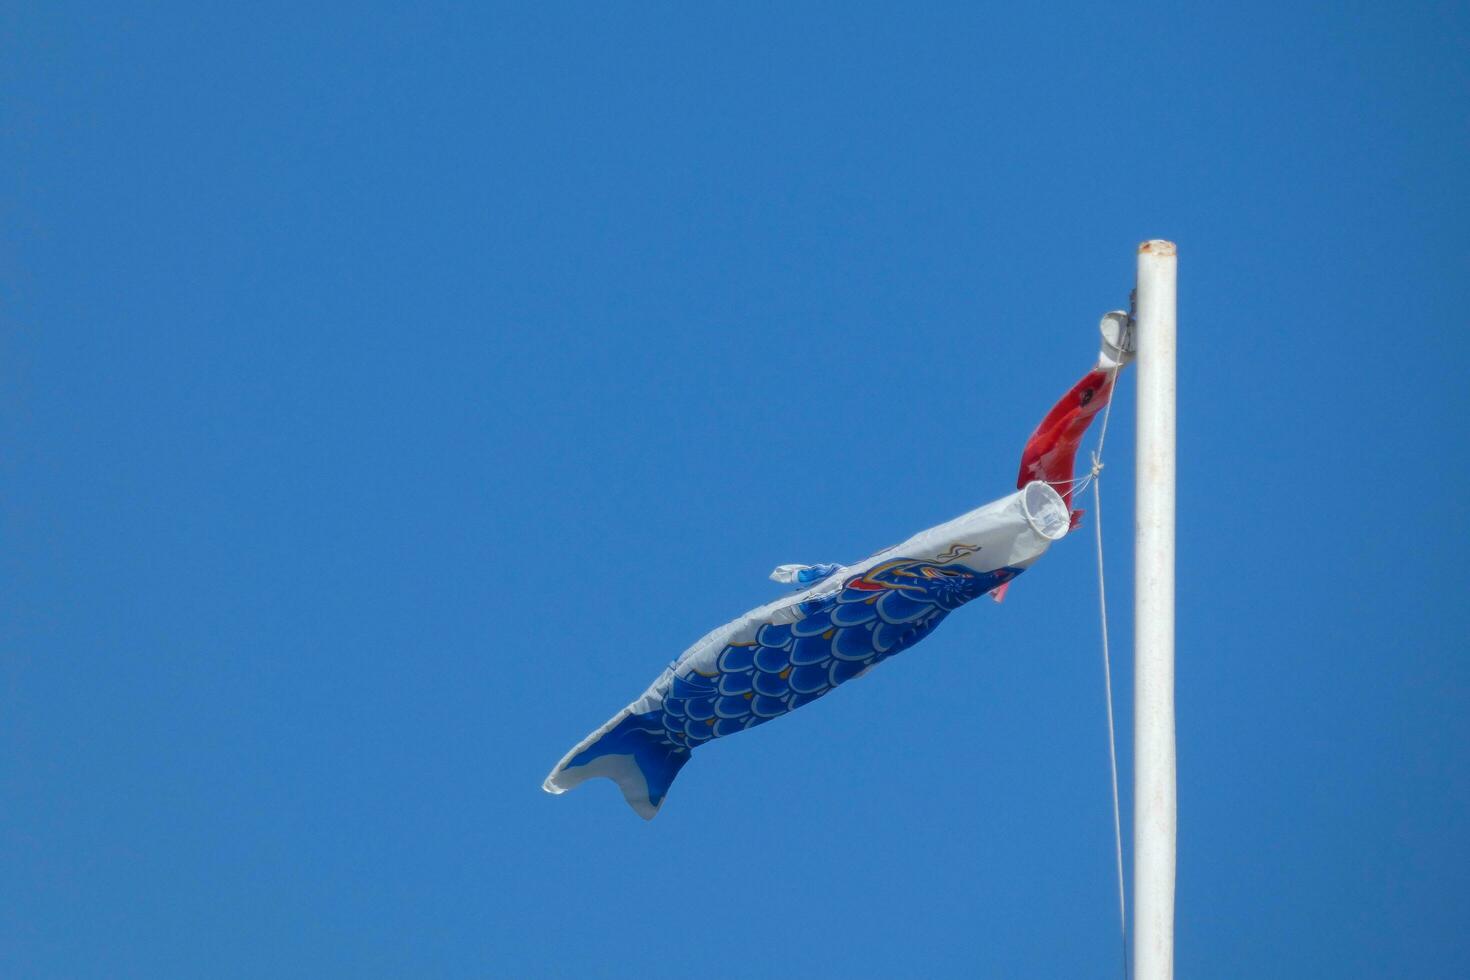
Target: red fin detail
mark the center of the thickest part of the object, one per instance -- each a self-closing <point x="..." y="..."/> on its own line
<point x="999" y="593"/>
<point x="1076" y="520"/>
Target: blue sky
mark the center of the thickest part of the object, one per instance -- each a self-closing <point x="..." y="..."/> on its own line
<point x="390" y="392"/>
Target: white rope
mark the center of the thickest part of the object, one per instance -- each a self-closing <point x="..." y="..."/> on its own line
<point x="1095" y="477"/>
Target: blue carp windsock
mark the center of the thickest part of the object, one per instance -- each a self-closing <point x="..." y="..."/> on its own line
<point x="844" y="621"/>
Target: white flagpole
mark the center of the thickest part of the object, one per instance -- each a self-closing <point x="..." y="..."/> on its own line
<point x="1154" y="808"/>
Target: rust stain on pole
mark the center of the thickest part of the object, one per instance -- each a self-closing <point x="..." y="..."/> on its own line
<point x="1157" y="246"/>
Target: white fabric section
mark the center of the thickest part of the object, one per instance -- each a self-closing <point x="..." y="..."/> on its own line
<point x="1117" y="340"/>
